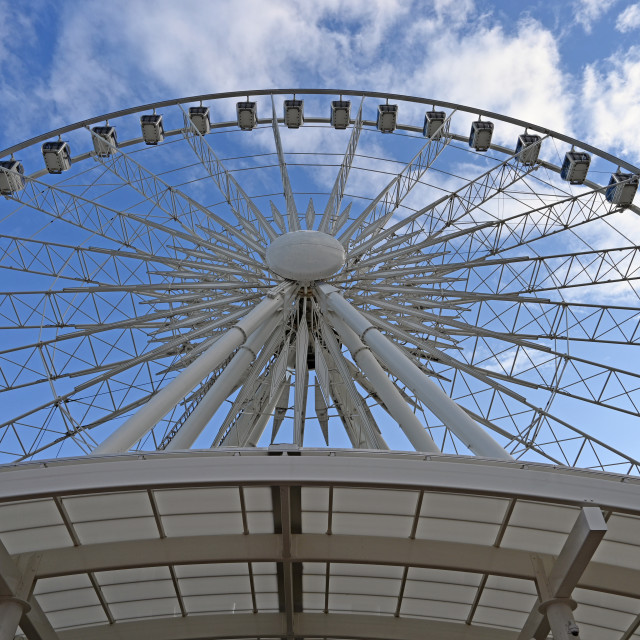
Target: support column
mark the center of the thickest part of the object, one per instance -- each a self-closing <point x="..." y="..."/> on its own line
<point x="168" y="397"/>
<point x="452" y="415"/>
<point x="397" y="407"/>
<point x="553" y="609"/>
<point x="11" y="610"/>
<point x="230" y="378"/>
<point x="17" y="605"/>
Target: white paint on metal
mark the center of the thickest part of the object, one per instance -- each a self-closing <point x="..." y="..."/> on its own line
<point x="305" y="256"/>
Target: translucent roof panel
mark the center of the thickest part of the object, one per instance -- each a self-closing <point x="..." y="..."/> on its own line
<point x="539" y="527"/>
<point x="507" y="600"/>
<point x="130" y="517"/>
<point x="29" y="526"/>
<point x="259" y="509"/>
<point x="200" y="511"/>
<point x="382" y="513"/>
<point x="315" y="509"/>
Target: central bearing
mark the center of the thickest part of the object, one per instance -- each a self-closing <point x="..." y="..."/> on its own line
<point x="305" y="256"/>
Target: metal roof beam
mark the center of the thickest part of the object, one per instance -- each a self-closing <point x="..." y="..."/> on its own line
<point x="335" y="548"/>
<point x="273" y="625"/>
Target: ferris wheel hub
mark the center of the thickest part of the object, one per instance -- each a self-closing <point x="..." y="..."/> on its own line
<point x="305" y="256"/>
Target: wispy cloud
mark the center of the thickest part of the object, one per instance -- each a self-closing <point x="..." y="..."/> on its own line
<point x="629" y="19"/>
<point x="587" y="12"/>
<point x="611" y="102"/>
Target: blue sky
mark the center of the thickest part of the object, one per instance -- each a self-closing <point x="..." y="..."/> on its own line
<point x="572" y="66"/>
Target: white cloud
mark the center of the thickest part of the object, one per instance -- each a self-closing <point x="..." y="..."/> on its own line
<point x="629" y="19"/>
<point x="517" y="74"/>
<point x="611" y="100"/>
<point x="587" y="12"/>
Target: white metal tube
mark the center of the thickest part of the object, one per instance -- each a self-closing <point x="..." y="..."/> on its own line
<point x="147" y="416"/>
<point x="11" y="610"/>
<point x="229" y="379"/>
<point x="560" y="617"/>
<point x="442" y="406"/>
<point x="267" y="413"/>
<point x="393" y="400"/>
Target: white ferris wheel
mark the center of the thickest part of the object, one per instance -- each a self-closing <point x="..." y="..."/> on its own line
<point x="318" y="364"/>
<point x="176" y="277"/>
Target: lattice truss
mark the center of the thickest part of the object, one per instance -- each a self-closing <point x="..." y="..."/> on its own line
<point x="511" y="290"/>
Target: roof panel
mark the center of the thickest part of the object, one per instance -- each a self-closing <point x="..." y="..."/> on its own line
<point x="313" y="601"/>
<point x="547" y="517"/>
<point x="62" y="583"/>
<point x="134" y="590"/>
<point x="124" y="576"/>
<point x="202" y="524"/>
<point x="137" y="609"/>
<point x="61" y="599"/>
<point x="128" y="504"/>
<point x="214" y="585"/>
<point x="460" y="507"/>
<point x="77" y="617"/>
<point x="349" y="585"/>
<point x="439" y="609"/>
<point x="260" y="521"/>
<point x="371" y="524"/>
<point x="350" y="603"/>
<point x="215" y="569"/>
<point x="384" y="501"/>
<point x="456" y="531"/>
<point x="265" y="583"/>
<point x="422" y="590"/>
<point x="447" y="577"/>
<point x="258" y="499"/>
<point x="315" y="499"/>
<point x="315" y="522"/>
<point x="229" y="603"/>
<point x="24" y="540"/>
<point x="197" y="500"/>
<point x="113" y="530"/>
<point x="618" y="553"/>
<point x="499" y="617"/>
<point x="267" y="601"/>
<point x="366" y="570"/>
<point x="29" y="514"/>
<point x="599" y="598"/>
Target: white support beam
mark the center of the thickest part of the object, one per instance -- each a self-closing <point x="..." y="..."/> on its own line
<point x="18" y="607"/>
<point x="167" y="398"/>
<point x="292" y="212"/>
<point x="285" y="520"/>
<point x="267" y="413"/>
<point x="230" y="378"/>
<point x="556" y="587"/>
<point x="452" y="415"/>
<point x="389" y="394"/>
<point x="273" y="625"/>
<point x="335" y="548"/>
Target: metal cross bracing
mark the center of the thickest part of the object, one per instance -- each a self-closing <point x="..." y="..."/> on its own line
<point x="503" y="293"/>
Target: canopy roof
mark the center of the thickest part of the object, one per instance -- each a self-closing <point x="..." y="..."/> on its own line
<point x="312" y="543"/>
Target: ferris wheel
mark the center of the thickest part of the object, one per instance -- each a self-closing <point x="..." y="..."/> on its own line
<point x="319" y="268"/>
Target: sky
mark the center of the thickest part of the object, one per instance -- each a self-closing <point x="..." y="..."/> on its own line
<point x="571" y="66"/>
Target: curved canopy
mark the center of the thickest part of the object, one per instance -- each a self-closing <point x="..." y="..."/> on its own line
<point x="337" y="544"/>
